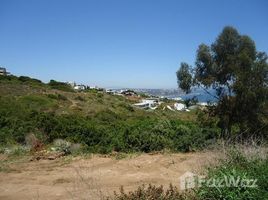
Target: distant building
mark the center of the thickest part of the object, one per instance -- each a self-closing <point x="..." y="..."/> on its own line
<point x="128" y="93"/>
<point x="179" y="106"/>
<point x="110" y="91"/>
<point x="202" y="103"/>
<point x="142" y="105"/>
<point x="151" y="103"/>
<point x="80" y="87"/>
<point x="193" y="107"/>
<point x="177" y="99"/>
<point x="72" y="84"/>
<point x="93" y="87"/>
<point x="3" y="71"/>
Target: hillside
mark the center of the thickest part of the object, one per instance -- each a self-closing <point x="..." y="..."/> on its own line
<point x="97" y="121"/>
<point x="43" y="98"/>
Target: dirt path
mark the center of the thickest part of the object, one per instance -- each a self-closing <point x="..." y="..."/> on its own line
<point x="94" y="177"/>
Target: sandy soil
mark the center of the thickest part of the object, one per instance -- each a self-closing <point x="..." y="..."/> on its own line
<point x="95" y="177"/>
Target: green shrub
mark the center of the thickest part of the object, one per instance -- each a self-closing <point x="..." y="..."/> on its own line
<point x="144" y="141"/>
<point x="61" y="145"/>
<point x="60" y="86"/>
<point x="10" y="78"/>
<point x="100" y="95"/>
<point x="36" y="102"/>
<point x="57" y="97"/>
<point x="62" y="97"/>
<point x="52" y="96"/>
<point x="27" y="79"/>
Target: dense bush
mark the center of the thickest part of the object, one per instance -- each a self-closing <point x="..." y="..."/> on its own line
<point x="60" y="86"/>
<point x="50" y="115"/>
<point x="21" y="80"/>
<point x="104" y="132"/>
<point x="57" y="97"/>
<point x="29" y="80"/>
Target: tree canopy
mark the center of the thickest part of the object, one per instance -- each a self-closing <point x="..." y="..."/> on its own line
<point x="239" y="74"/>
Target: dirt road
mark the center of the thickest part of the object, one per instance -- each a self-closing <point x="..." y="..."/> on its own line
<point x="94" y="177"/>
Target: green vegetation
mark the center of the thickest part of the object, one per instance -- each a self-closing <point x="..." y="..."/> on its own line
<point x="35" y="115"/>
<point x="241" y="167"/>
<point x="99" y="122"/>
<point x="21" y="79"/>
<point x="238" y="72"/>
<point x="60" y="86"/>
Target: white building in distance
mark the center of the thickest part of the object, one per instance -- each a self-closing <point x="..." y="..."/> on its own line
<point x="3" y="71"/>
<point x="179" y="106"/>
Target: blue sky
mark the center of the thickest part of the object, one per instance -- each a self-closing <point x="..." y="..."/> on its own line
<point x="118" y="43"/>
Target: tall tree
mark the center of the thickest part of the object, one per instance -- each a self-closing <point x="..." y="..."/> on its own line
<point x="239" y="74"/>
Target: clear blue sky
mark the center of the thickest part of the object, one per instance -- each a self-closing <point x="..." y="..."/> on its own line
<point x="118" y="43"/>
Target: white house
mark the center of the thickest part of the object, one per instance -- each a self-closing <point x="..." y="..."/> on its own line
<point x="151" y="103"/>
<point x="110" y="91"/>
<point x="177" y="99"/>
<point x="179" y="106"/>
<point x="79" y="87"/>
<point x="193" y="107"/>
<point x="148" y="103"/>
<point x="202" y="104"/>
<point x="93" y="87"/>
<point x="3" y="71"/>
<point x="142" y="105"/>
<point x="72" y="84"/>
